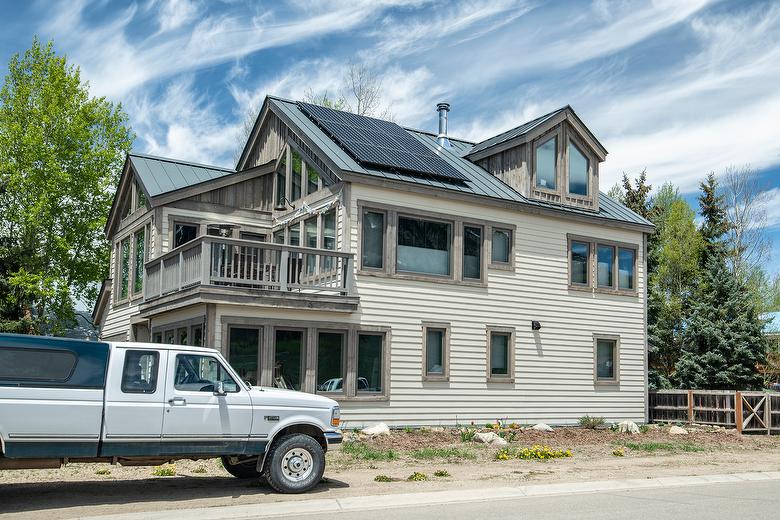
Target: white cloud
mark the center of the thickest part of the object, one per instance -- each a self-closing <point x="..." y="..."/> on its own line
<point x="773" y="208"/>
<point x="175" y="13"/>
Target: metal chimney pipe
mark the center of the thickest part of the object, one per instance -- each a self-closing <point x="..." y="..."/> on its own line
<point x="442" y="139"/>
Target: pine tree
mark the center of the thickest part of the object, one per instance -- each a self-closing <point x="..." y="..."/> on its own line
<point x="715" y="225"/>
<point x="637" y="198"/>
<point x="722" y="340"/>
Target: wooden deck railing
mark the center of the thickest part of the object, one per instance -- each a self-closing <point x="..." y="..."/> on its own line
<point x="746" y="411"/>
<point x="249" y="264"/>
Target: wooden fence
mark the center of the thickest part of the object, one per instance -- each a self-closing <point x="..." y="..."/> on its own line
<point x="749" y="412"/>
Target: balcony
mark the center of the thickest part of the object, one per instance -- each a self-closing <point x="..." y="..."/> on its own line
<point x="214" y="269"/>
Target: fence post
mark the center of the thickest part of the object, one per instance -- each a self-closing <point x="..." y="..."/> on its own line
<point x="768" y="412"/>
<point x="738" y="410"/>
<point x="690" y="406"/>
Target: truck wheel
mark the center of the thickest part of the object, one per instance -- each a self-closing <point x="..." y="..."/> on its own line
<point x="295" y="464"/>
<point x="241" y="468"/>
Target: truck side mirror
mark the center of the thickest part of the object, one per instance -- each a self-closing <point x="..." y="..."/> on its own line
<point x="219" y="389"/>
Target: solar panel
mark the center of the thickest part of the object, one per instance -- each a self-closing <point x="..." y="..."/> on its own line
<point x="376" y="142"/>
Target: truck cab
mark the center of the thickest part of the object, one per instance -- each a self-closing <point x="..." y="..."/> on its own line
<point x="145" y="404"/>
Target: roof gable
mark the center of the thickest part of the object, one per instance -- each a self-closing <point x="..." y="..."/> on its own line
<point x="159" y="175"/>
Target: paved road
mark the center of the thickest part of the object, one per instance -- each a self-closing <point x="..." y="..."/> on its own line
<point x="734" y="500"/>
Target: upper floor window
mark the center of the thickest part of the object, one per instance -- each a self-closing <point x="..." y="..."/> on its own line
<point x="579" y="255"/>
<point x="281" y="180"/>
<point x="424" y="246"/>
<point x="501" y="246"/>
<point x="472" y="252"/>
<point x="183" y="233"/>
<point x="296" y="171"/>
<point x="124" y="268"/>
<point x="372" y="247"/>
<point x="626" y="268"/>
<point x="578" y="171"/>
<point x="605" y="264"/>
<point x="313" y="179"/>
<point x="546" y="158"/>
<point x="614" y="264"/>
<point x="140" y="259"/>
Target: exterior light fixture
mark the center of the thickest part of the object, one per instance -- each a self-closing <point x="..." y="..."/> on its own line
<point x="535" y="325"/>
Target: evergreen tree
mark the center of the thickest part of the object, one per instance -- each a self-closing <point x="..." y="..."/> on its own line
<point x="722" y="340"/>
<point x="637" y="197"/>
<point x="715" y="226"/>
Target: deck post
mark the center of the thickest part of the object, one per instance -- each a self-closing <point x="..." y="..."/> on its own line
<point x="162" y="274"/>
<point x="738" y="410"/>
<point x="205" y="262"/>
<point x="283" y="269"/>
<point x="180" y="269"/>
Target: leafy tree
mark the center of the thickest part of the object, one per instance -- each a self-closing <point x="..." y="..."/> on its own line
<point x="722" y="340"/>
<point x="716" y="224"/>
<point x="60" y="153"/>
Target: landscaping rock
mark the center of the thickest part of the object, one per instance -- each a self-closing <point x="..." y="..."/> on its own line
<point x="498" y="441"/>
<point x="489" y="438"/>
<point x="628" y="427"/>
<point x="377" y="429"/>
<point x="542" y="427"/>
<point x="676" y="430"/>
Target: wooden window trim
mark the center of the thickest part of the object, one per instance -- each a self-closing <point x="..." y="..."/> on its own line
<point x="445" y="355"/>
<point x="492" y="264"/>
<point x="592" y="285"/>
<point x="606" y="337"/>
<point x="554" y="133"/>
<point x="510" y="331"/>
<point x="129" y="234"/>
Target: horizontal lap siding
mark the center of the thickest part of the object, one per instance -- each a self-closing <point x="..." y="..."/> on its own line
<point x="553" y="368"/>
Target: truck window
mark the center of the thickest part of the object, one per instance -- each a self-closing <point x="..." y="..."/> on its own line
<point x="43" y="365"/>
<point x="139" y="375"/>
<point x="196" y="373"/>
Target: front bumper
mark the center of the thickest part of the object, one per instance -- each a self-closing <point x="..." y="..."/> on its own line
<point x="333" y="439"/>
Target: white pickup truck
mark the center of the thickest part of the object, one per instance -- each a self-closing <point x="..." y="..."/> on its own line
<point x="144" y="404"/>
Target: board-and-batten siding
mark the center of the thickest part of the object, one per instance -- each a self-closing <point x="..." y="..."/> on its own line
<point x="269" y="143"/>
<point x="553" y="368"/>
<point x="250" y="194"/>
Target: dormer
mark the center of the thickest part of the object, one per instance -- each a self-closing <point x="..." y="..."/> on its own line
<point x="553" y="158"/>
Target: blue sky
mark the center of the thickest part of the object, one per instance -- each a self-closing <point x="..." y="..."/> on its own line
<point x="680" y="88"/>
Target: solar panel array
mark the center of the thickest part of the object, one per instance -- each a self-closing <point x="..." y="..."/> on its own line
<point x="376" y="142"/>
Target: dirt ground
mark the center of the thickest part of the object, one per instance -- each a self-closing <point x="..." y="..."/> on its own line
<point x="95" y="489"/>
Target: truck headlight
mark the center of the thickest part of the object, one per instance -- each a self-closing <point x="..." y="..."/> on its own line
<point x="335" y="416"/>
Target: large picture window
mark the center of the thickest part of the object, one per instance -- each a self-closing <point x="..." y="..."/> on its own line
<point x="424" y="246"/>
<point x="546" y="159"/>
<point x="578" y="171"/>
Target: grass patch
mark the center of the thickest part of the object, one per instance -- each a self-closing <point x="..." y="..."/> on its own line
<point x="467" y="434"/>
<point x="651" y="447"/>
<point x="166" y="470"/>
<point x="383" y="478"/>
<point x="200" y="469"/>
<point x="441" y="473"/>
<point x="104" y="471"/>
<point x="442" y="453"/>
<point x="362" y="451"/>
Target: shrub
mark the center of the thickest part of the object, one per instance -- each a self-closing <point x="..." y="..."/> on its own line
<point x="586" y="421"/>
<point x="619" y="452"/>
<point x="441" y="473"/>
<point x="199" y="469"/>
<point x="361" y="450"/>
<point x="442" y="453"/>
<point x="417" y="477"/>
<point x="103" y="471"/>
<point x="383" y="478"/>
<point x="508" y="435"/>
<point x="467" y="434"/>
<point x="166" y="470"/>
<point x="644" y="428"/>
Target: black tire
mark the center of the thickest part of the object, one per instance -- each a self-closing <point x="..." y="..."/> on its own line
<point x="291" y="453"/>
<point x="242" y="468"/>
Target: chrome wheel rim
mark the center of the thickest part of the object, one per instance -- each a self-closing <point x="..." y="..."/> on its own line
<point x="297" y="464"/>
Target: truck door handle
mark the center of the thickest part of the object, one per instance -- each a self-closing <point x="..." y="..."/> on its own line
<point x="177" y="401"/>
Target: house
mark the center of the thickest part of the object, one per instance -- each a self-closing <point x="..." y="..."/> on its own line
<point x="415" y="277"/>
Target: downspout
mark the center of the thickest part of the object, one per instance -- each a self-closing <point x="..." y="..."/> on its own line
<point x="646" y="360"/>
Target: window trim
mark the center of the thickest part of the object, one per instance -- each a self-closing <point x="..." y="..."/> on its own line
<point x="493" y="264"/>
<point x="385" y="227"/>
<point x="592" y="285"/>
<point x="615" y="381"/>
<point x="510" y="331"/>
<point x="445" y="354"/>
<point x="634" y="265"/>
<point x="156" y="355"/>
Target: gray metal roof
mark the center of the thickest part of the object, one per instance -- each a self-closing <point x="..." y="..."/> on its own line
<point x="516" y="131"/>
<point x="479" y="181"/>
<point x="160" y="175"/>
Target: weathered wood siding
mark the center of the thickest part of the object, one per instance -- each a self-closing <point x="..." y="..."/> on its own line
<point x="554" y="367"/>
<point x="250" y="194"/>
<point x="269" y="143"/>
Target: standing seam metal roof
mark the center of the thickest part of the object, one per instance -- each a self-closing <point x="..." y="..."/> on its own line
<point x="160" y="175"/>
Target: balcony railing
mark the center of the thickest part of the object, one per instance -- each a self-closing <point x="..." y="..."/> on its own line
<point x="227" y="262"/>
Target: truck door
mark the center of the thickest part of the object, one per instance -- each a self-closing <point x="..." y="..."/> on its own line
<point x="198" y="418"/>
<point x="135" y="402"/>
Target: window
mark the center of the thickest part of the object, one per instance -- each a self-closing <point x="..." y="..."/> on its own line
<point x="605" y="263"/>
<point x="249" y="235"/>
<point x="157" y="338"/>
<point x="626" y="266"/>
<point x="140" y="258"/>
<point x="288" y="359"/>
<point x="328" y="238"/>
<point x="424" y="246"/>
<point x="501" y="246"/>
<point x="281" y="181"/>
<point x="197" y="336"/>
<point x="124" y="269"/>
<point x="310" y="240"/>
<point x="54" y="366"/>
<point x="294" y="236"/>
<point x="435" y="351"/>
<point x="182" y="336"/>
<point x="580" y="254"/>
<point x="139" y="375"/>
<point x="140" y="197"/>
<point x="279" y="236"/>
<point x="370" y="363"/>
<point x="244" y="353"/>
<point x="184" y="233"/>
<point x="472" y="252"/>
<point x="546" y="158"/>
<point x="196" y="373"/>
<point x="312" y="179"/>
<point x="296" y="173"/>
<point x="500" y="354"/>
<point x="330" y="362"/>
<point x="373" y="246"/>
<point x="170" y="337"/>
<point x="578" y="171"/>
<point x="606" y="362"/>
